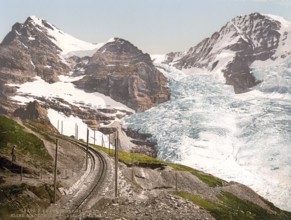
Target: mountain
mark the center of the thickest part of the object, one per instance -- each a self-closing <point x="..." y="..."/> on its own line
<point x="122" y="71"/>
<point x="37" y="48"/>
<point x="232" y="50"/>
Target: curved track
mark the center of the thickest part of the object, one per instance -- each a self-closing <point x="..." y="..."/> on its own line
<point x="99" y="178"/>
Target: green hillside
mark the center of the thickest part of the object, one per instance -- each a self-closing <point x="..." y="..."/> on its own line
<point x="30" y="149"/>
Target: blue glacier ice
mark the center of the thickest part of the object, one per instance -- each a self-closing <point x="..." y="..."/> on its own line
<point x="237" y="137"/>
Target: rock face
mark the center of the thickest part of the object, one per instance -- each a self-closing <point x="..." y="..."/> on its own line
<point x="28" y="50"/>
<point x="123" y="72"/>
<point x="235" y="47"/>
<point x="35" y="112"/>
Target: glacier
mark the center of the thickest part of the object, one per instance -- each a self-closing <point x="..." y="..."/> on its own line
<point x="238" y="137"/>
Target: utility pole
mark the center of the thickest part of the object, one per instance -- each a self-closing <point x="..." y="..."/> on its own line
<point x="55" y="171"/>
<point x="58" y="125"/>
<point x="132" y="168"/>
<point x="116" y="166"/>
<point x="176" y="177"/>
<point x="94" y="135"/>
<point x="109" y="145"/>
<point x="87" y="148"/>
<point x="102" y="141"/>
<point x="62" y="127"/>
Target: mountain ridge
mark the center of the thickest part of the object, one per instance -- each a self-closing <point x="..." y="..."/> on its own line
<point x="235" y="47"/>
<point x="43" y="50"/>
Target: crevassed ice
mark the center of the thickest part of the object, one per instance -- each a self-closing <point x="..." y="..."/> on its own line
<point x="244" y="138"/>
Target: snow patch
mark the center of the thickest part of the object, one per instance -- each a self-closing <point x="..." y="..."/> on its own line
<point x="66" y="125"/>
<point x="69" y="45"/>
<point x="66" y="90"/>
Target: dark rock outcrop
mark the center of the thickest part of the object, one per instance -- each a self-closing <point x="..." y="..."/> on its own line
<point x="34" y="112"/>
<point x="123" y="72"/>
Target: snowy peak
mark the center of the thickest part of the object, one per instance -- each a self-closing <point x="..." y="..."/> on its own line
<point x="39" y="22"/>
<point x="37" y="47"/>
<point x="65" y="44"/>
<point x="69" y="45"/>
<point x="232" y="50"/>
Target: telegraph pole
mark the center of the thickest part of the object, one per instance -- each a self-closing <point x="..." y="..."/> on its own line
<point x="87" y="148"/>
<point x="94" y="135"/>
<point x="109" y="145"/>
<point x="176" y="177"/>
<point x="62" y="125"/>
<point x="116" y="166"/>
<point x="55" y="171"/>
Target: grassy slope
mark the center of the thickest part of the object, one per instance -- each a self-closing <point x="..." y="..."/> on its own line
<point x="232" y="207"/>
<point x="30" y="149"/>
<point x="135" y="158"/>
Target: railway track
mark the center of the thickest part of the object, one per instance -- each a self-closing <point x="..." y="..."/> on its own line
<point x="95" y="158"/>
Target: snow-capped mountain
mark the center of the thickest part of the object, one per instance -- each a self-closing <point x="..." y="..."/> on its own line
<point x="65" y="44"/>
<point x="37" y="48"/>
<point x="231" y="51"/>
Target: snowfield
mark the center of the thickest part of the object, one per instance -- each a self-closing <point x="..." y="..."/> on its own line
<point x="244" y="138"/>
<point x="66" y="90"/>
<point x="69" y="45"/>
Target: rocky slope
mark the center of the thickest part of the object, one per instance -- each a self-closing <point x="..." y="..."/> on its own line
<point x="234" y="48"/>
<point x="123" y="72"/>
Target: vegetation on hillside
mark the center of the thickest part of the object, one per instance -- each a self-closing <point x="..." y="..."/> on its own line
<point x="30" y="149"/>
<point x="232" y="207"/>
<point x="136" y="158"/>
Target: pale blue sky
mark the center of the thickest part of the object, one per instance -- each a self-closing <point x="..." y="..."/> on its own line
<point x="155" y="26"/>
